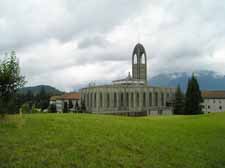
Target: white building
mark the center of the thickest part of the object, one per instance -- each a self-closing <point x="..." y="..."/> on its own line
<point x="213" y="101"/>
<point x="70" y="101"/>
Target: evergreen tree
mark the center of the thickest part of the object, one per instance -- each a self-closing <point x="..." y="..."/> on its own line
<point x="179" y="102"/>
<point x="193" y="97"/>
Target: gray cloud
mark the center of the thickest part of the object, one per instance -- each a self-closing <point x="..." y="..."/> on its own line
<point x="65" y="43"/>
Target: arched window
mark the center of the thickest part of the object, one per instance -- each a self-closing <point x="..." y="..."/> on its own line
<point x="100" y="99"/>
<point x="127" y="99"/>
<point x="88" y="99"/>
<point x="143" y="59"/>
<point x="150" y="99"/>
<point x="115" y="100"/>
<point x="91" y="100"/>
<point x="132" y="100"/>
<point x="162" y="99"/>
<point x="95" y="99"/>
<point x="122" y="99"/>
<point x="135" y="59"/>
<point x="107" y="100"/>
<point x="156" y="99"/>
<point x="144" y="99"/>
<point x="137" y="99"/>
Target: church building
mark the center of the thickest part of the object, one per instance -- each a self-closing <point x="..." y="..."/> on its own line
<point x="130" y="96"/>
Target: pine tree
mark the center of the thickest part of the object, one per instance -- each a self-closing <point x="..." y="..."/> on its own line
<point x="193" y="98"/>
<point x="179" y="102"/>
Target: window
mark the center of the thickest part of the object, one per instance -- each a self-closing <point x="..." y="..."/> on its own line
<point x="162" y="99"/>
<point x="144" y="99"/>
<point x="137" y="99"/>
<point x="150" y="99"/>
<point x="156" y="99"/>
<point x="100" y="97"/>
<point x="132" y="99"/>
<point x="122" y="99"/>
<point x="95" y="99"/>
<point x="220" y="107"/>
<point x="135" y="59"/>
<point x="108" y="100"/>
<point x="88" y="99"/>
<point x="127" y="99"/>
<point x="143" y="59"/>
<point x="208" y="107"/>
<point x="115" y="100"/>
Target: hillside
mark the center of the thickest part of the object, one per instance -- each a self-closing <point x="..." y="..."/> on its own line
<point x="76" y="140"/>
<point x="36" y="89"/>
<point x="208" y="80"/>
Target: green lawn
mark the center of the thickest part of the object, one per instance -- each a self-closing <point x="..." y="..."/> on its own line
<point x="81" y="140"/>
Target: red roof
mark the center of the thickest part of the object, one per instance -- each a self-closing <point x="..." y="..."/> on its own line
<point x="67" y="96"/>
<point x="71" y="96"/>
<point x="213" y="94"/>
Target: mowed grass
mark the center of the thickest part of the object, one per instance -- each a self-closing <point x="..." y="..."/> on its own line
<point x="82" y="140"/>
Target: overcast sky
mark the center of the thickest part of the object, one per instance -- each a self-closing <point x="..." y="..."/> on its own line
<point x="66" y="43"/>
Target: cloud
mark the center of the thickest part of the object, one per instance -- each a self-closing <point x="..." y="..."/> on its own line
<point x="68" y="43"/>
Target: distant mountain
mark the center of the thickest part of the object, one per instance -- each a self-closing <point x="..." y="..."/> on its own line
<point x="208" y="80"/>
<point x="36" y="89"/>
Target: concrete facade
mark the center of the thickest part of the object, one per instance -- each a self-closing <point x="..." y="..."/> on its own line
<point x="128" y="99"/>
<point x="130" y="96"/>
<point x="70" y="101"/>
<point x="213" y="101"/>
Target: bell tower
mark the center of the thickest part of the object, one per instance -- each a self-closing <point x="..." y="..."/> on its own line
<point x="139" y="63"/>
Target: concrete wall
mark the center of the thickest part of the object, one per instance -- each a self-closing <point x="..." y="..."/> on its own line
<point x="127" y="98"/>
<point x="213" y="105"/>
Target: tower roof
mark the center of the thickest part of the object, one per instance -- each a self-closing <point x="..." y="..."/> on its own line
<point x="139" y="48"/>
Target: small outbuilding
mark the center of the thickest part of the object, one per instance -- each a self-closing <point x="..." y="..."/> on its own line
<point x="213" y="101"/>
<point x="69" y="102"/>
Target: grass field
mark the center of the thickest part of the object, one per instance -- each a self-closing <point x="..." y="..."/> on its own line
<point x="76" y="140"/>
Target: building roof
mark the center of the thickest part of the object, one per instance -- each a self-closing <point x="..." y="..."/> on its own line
<point x="213" y="94"/>
<point x="53" y="98"/>
<point x="71" y="96"/>
<point x="67" y="96"/>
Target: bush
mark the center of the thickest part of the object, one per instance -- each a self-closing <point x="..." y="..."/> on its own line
<point x="25" y="108"/>
<point x="52" y="108"/>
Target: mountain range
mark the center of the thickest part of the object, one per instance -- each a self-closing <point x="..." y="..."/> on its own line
<point x="208" y="80"/>
<point x="37" y="89"/>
